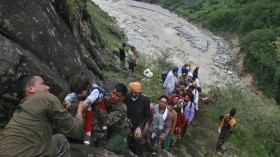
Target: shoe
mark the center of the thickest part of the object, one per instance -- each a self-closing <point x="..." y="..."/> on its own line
<point x="219" y="153"/>
<point x="87" y="140"/>
<point x="196" y="109"/>
<point x="154" y="153"/>
<point x="223" y="148"/>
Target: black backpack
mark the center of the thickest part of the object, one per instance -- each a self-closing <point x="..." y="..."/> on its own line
<point x="227" y="124"/>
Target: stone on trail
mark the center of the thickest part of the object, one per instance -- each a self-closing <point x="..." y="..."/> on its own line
<point x="229" y="72"/>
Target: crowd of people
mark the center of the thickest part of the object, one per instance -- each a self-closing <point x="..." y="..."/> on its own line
<point x="121" y="120"/>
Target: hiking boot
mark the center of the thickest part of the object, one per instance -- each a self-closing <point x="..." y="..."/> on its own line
<point x="87" y="140"/>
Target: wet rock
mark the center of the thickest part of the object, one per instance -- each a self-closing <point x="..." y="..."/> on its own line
<point x="48" y="42"/>
<point x="195" y="39"/>
<point x="165" y="153"/>
<point x="142" y="19"/>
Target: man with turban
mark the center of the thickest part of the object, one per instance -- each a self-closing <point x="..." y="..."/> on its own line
<point x="138" y="111"/>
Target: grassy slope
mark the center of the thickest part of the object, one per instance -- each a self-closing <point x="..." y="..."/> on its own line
<point x="110" y="33"/>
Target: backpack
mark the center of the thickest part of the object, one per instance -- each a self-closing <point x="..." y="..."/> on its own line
<point x="164" y="74"/>
<point x="227" y="124"/>
<point x="102" y="93"/>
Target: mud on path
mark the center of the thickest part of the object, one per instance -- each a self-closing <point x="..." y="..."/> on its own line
<point x="153" y="30"/>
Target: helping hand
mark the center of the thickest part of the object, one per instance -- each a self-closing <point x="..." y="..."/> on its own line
<point x="67" y="105"/>
<point x="137" y="132"/>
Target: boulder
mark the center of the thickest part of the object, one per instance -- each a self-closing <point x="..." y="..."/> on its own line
<point x="50" y="39"/>
<point x="79" y="150"/>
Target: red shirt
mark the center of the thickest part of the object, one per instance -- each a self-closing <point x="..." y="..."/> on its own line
<point x="181" y="122"/>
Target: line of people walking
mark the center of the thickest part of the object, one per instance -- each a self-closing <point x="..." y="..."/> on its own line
<point x="119" y="120"/>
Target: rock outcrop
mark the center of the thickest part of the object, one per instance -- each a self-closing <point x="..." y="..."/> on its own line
<point x="54" y="39"/>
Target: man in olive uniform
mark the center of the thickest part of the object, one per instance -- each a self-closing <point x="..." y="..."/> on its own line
<point x="30" y="131"/>
<point x="115" y="119"/>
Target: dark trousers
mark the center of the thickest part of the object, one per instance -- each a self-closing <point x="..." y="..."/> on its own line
<point x="135" y="144"/>
<point x="224" y="135"/>
<point x="60" y="146"/>
<point x="131" y="66"/>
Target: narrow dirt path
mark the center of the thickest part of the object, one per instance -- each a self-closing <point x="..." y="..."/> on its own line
<point x="201" y="137"/>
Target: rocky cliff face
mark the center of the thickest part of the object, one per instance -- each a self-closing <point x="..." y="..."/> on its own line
<point x="54" y="39"/>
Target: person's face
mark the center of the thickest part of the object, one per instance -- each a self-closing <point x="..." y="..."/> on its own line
<point x="83" y="93"/>
<point x="186" y="98"/>
<point x="134" y="93"/>
<point x="133" y="50"/>
<point x="162" y="103"/>
<point x="38" y="86"/>
<point x="116" y="97"/>
<point x="182" y="87"/>
<point x="174" y="94"/>
<point x="170" y="107"/>
<point x="176" y="100"/>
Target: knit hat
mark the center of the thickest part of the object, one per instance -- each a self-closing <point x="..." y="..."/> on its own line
<point x="135" y="87"/>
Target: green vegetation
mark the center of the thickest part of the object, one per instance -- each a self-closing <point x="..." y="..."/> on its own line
<point x="152" y="87"/>
<point x="258" y="126"/>
<point x="256" y="21"/>
<point x="106" y="26"/>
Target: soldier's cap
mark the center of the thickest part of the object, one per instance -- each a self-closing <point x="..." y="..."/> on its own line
<point x="135" y="87"/>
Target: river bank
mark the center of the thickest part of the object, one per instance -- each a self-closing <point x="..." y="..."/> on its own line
<point x="154" y="30"/>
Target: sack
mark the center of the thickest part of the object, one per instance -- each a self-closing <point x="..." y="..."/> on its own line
<point x="164" y="74"/>
<point x="227" y="124"/>
<point x="148" y="73"/>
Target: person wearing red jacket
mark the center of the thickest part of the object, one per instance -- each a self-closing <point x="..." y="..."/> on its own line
<point x="179" y="125"/>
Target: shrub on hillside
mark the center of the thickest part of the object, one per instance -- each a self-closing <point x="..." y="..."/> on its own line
<point x="257" y="120"/>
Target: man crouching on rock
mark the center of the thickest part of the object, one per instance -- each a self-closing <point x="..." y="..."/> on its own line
<point x="30" y="131"/>
<point x="115" y="119"/>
